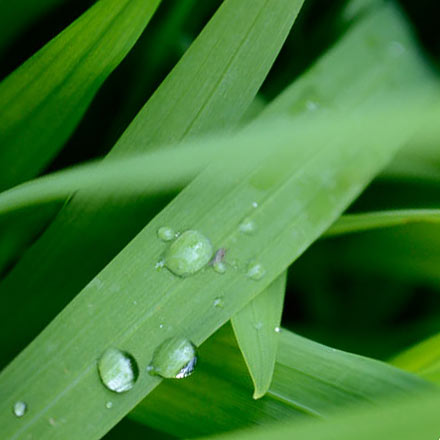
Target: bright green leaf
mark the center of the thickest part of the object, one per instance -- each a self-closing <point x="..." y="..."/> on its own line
<point x="45" y="98"/>
<point x="256" y="327"/>
<point x="125" y="305"/>
<point x="422" y="359"/>
<point x="375" y="220"/>
<point x="210" y="88"/>
<point x="310" y="381"/>
<point x="409" y="419"/>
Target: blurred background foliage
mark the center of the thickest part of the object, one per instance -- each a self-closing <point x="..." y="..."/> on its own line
<point x="381" y="292"/>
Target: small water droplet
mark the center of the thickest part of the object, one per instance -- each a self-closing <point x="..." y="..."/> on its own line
<point x="188" y="254"/>
<point x="174" y="358"/>
<point x="118" y="370"/>
<point x="160" y="264"/>
<point x="20" y="408"/>
<point x="396" y="48"/>
<point x="218" y="302"/>
<point x="247" y="226"/>
<point x="312" y="106"/>
<point x="165" y="233"/>
<point x="254" y="204"/>
<point x="52" y="421"/>
<point x="219" y="267"/>
<point x="160" y="325"/>
<point x="135" y="302"/>
<point x="258" y="325"/>
<point x="109" y="405"/>
<point x="256" y="271"/>
<point x="277" y="329"/>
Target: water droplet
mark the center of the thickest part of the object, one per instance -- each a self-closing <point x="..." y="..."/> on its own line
<point x="174" y="358"/>
<point x="118" y="370"/>
<point x="312" y="106"/>
<point x="247" y="226"/>
<point x="166" y="234"/>
<point x="256" y="271"/>
<point x="254" y="204"/>
<point x="135" y="302"/>
<point x="277" y="329"/>
<point x="219" y="267"/>
<point x="258" y="325"/>
<point x="52" y="421"/>
<point x="160" y="325"/>
<point x="20" y="408"/>
<point x="109" y="405"/>
<point x="218" y="302"/>
<point x="160" y="264"/>
<point x="396" y="48"/>
<point x="188" y="254"/>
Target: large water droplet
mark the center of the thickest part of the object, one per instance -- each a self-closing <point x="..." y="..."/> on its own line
<point x="20" y="408"/>
<point x="247" y="226"/>
<point x="188" y="254"/>
<point x="166" y="234"/>
<point x="256" y="271"/>
<point x="174" y="358"/>
<point x="118" y="370"/>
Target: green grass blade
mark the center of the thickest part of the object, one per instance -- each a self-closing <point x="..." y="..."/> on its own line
<point x="408" y="419"/>
<point x="256" y="327"/>
<point x="327" y="86"/>
<point x="310" y="381"/>
<point x="350" y="223"/>
<point x="125" y="305"/>
<point x="54" y="88"/>
<point x="209" y="88"/>
<point x="422" y="359"/>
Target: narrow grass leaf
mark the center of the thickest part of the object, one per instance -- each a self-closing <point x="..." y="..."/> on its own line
<point x="54" y="88"/>
<point x="326" y="87"/>
<point x="408" y="419"/>
<point x="257" y="328"/>
<point x="210" y="88"/>
<point x="126" y="304"/>
<point x="350" y="223"/>
<point x="423" y="359"/>
<point x="310" y="381"/>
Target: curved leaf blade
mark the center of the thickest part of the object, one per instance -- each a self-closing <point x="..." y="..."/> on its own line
<point x="190" y="103"/>
<point x="54" y="88"/>
<point x="256" y="328"/>
<point x="311" y="381"/>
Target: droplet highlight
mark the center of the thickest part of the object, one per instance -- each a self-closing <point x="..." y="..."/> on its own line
<point x="118" y="370"/>
<point x="175" y="358"/>
<point x="256" y="271"/>
<point x="218" y="302"/>
<point x="166" y="233"/>
<point x="247" y="226"/>
<point x="160" y="264"/>
<point x="277" y="329"/>
<point x="189" y="253"/>
<point x="109" y="405"/>
<point x="20" y="408"/>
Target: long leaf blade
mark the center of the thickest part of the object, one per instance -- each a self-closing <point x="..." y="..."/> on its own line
<point x="310" y="381"/>
<point x="137" y="302"/>
<point x="256" y="327"/>
<point x="191" y="103"/>
<point x="54" y="88"/>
